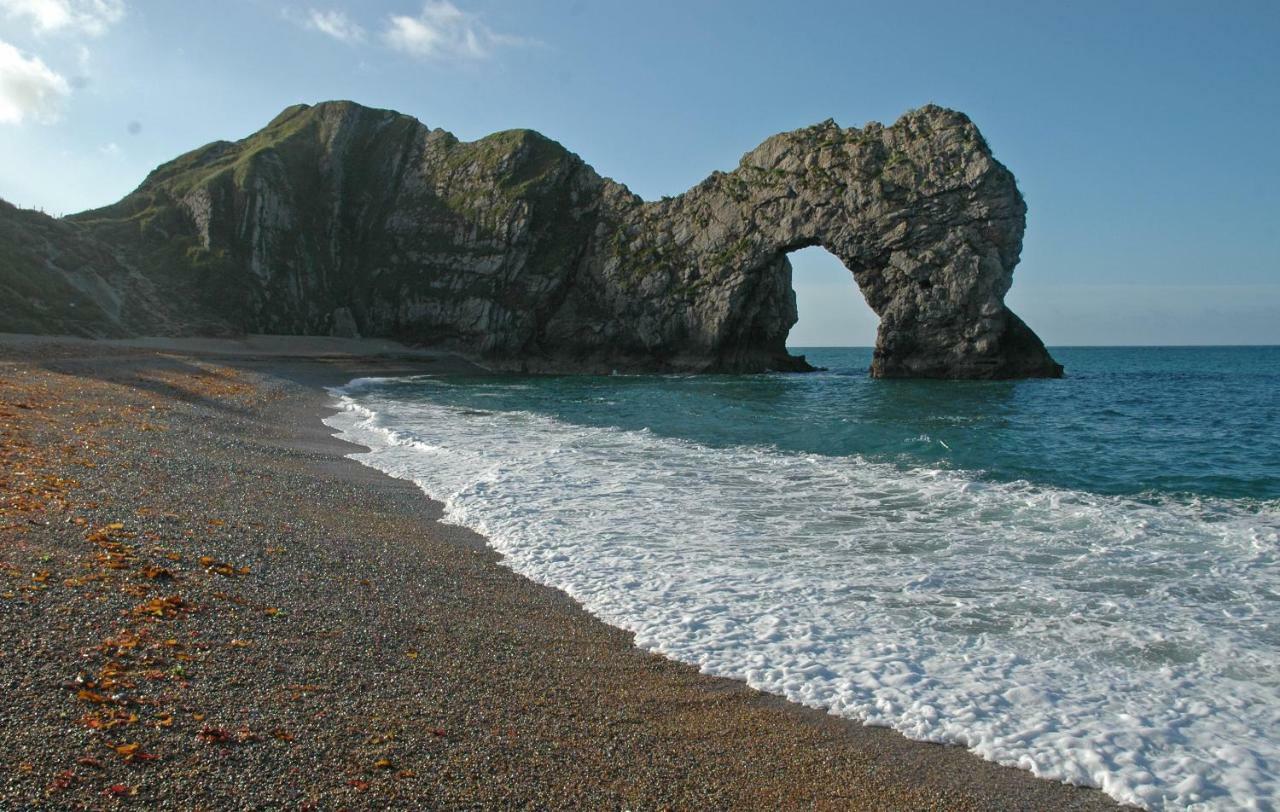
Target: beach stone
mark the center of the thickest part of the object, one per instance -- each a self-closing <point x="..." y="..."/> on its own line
<point x="338" y="219"/>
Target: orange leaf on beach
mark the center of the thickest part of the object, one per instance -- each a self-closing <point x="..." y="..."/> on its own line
<point x="161" y="607"/>
<point x="127" y="750"/>
<point x="62" y="781"/>
<point x="119" y="646"/>
<point x="107" y="720"/>
<point x="221" y="568"/>
<point x="382" y="764"/>
<point x="213" y="735"/>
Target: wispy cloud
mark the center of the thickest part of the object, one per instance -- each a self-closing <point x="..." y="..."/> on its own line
<point x="87" y="17"/>
<point x="440" y="30"/>
<point x="444" y="31"/>
<point x="29" y="89"/>
<point x="332" y="23"/>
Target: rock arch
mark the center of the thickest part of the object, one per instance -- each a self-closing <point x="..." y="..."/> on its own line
<point x="339" y="218"/>
<point x="927" y="221"/>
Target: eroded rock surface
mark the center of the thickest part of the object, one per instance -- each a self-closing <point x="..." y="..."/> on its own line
<point x="340" y="219"/>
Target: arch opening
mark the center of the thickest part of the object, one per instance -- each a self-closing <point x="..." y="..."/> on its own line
<point x="831" y="308"/>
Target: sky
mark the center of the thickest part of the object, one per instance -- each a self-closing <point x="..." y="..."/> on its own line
<point x="1143" y="134"/>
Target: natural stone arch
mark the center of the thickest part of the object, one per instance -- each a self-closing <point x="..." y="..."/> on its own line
<point x="512" y="250"/>
<point x="928" y="223"/>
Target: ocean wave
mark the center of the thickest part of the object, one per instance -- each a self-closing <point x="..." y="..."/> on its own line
<point x="1120" y="642"/>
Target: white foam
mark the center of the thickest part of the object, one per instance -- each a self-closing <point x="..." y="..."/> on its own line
<point x="1129" y="644"/>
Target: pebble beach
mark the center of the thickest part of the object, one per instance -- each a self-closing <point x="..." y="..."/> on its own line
<point x="206" y="605"/>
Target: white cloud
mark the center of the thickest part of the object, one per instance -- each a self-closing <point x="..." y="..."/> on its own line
<point x="29" y="88"/>
<point x="111" y="150"/>
<point x="335" y="24"/>
<point x="442" y="30"/>
<point x="89" y="17"/>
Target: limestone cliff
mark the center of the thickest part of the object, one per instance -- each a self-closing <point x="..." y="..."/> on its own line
<point x="341" y="219"/>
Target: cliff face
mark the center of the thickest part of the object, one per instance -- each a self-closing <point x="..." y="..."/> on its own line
<point x="340" y="219"/>
<point x="57" y="278"/>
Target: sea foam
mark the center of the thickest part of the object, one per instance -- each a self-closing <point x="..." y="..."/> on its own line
<point x="1120" y="642"/>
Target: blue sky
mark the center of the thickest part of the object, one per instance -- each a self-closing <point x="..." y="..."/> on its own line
<point x="1143" y="134"/>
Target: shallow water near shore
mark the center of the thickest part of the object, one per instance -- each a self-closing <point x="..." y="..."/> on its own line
<point x="1078" y="577"/>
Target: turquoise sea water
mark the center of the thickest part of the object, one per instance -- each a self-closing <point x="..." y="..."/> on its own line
<point x="1195" y="420"/>
<point x="1080" y="577"/>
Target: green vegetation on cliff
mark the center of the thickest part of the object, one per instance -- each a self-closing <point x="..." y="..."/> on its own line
<point x="512" y="249"/>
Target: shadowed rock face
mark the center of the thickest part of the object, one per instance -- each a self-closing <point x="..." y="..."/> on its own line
<point x="344" y="219"/>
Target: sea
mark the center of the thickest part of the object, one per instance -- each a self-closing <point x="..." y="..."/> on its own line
<point x="1078" y="577"/>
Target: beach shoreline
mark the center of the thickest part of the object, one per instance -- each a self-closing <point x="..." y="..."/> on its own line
<point x="332" y="642"/>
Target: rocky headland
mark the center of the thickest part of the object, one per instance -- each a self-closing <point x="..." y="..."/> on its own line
<point x="338" y="219"/>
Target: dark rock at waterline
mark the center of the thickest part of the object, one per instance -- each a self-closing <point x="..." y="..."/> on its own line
<point x="338" y="219"/>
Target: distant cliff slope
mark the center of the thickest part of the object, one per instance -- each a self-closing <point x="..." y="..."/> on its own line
<point x="341" y="219"/>
<point x="56" y="278"/>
